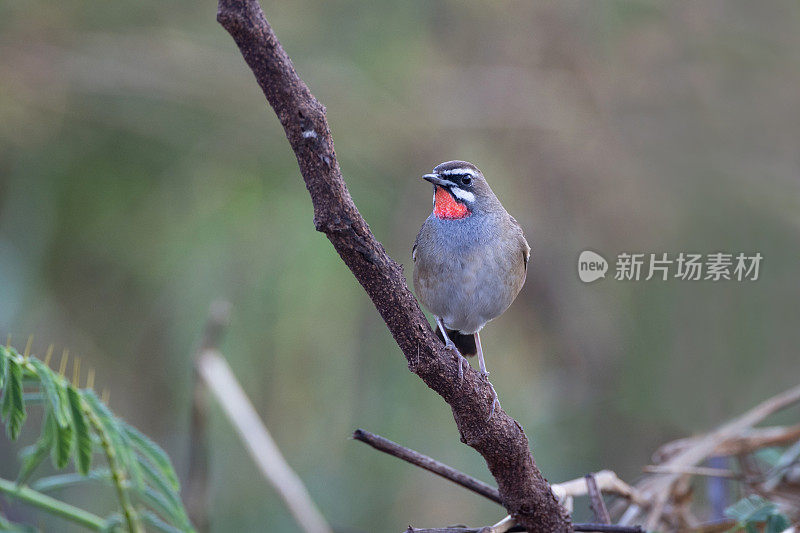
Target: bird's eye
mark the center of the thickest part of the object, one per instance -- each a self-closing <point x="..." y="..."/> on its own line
<point x="466" y="180"/>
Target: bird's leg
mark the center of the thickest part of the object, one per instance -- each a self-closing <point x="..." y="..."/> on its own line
<point x="481" y="362"/>
<point x="450" y="344"/>
<point x="485" y="373"/>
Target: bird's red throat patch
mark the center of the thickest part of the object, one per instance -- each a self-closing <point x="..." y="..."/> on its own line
<point x="445" y="206"/>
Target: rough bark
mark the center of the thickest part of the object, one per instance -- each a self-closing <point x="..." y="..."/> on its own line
<point x="500" y="439"/>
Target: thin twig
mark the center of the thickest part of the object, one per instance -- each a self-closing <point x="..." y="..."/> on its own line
<point x="428" y="463"/>
<point x="747" y="441"/>
<point x="692" y="471"/>
<point x="53" y="506"/>
<point x="219" y="379"/>
<point x="596" y="500"/>
<point x="607" y="481"/>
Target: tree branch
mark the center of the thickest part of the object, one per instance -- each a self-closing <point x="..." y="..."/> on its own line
<point x="428" y="463"/>
<point x="500" y="440"/>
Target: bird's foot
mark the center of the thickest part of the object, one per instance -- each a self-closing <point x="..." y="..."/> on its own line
<point x="450" y="345"/>
<point x="461" y="362"/>
<point x="495" y="399"/>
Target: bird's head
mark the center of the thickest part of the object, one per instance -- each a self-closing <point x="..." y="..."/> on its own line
<point x="459" y="190"/>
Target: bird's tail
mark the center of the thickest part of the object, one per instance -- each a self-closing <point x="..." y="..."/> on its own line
<point x="465" y="343"/>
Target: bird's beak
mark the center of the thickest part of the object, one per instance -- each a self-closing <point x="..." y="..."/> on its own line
<point x="438" y="180"/>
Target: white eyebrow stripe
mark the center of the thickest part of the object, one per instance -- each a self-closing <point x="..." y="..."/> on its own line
<point x="458" y="171"/>
<point x="461" y="194"/>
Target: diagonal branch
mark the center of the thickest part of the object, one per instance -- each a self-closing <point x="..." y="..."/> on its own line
<point x="500" y="440"/>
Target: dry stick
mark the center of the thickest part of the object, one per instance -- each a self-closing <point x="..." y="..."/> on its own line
<point x="500" y="440"/>
<point x="607" y="482"/>
<point x="692" y="471"/>
<point x="219" y="379"/>
<point x="661" y="488"/>
<point x="747" y="442"/>
<point x="596" y="501"/>
<point x="197" y="491"/>
<point x="428" y="463"/>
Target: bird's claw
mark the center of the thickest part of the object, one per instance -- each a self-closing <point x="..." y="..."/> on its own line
<point x="495" y="399"/>
<point x="461" y="361"/>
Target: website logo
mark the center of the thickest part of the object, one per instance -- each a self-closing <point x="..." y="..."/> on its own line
<point x="591" y="266"/>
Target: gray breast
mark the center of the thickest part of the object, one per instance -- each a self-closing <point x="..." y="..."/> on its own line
<point x="464" y="274"/>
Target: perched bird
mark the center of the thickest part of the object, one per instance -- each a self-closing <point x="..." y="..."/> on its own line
<point x="470" y="258"/>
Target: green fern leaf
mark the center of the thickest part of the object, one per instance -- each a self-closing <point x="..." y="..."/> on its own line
<point x="753" y="510"/>
<point x="61" y="481"/>
<point x="83" y="439"/>
<point x="3" y="358"/>
<point x="51" y="387"/>
<point x="155" y="522"/>
<point x="32" y="456"/>
<point x="154" y="454"/>
<point x="168" y="500"/>
<point x="122" y="446"/>
<point x="157" y="481"/>
<point x="159" y="503"/>
<point x="13" y="409"/>
<point x="65" y="435"/>
<point x="114" y="523"/>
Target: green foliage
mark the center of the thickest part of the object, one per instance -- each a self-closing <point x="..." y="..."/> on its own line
<point x="32" y="456"/>
<point x="83" y="439"/>
<point x="13" y="410"/>
<point x="76" y="425"/>
<point x="755" y="514"/>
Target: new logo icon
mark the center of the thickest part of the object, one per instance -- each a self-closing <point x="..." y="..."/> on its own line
<point x="591" y="266"/>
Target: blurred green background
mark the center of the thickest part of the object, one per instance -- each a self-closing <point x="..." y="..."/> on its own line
<point x="143" y="176"/>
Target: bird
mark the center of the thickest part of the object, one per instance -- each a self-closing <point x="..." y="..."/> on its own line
<point x="470" y="259"/>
